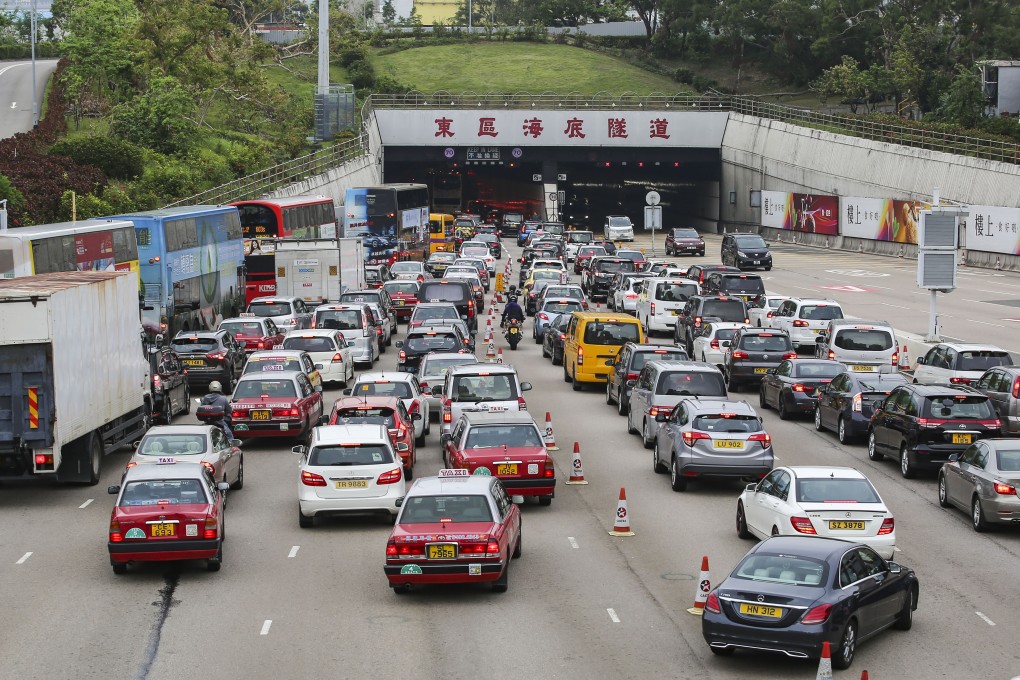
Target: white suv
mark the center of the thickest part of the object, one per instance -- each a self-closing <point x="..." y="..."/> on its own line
<point x="661" y="299"/>
<point x="959" y="363"/>
<point x="619" y="228"/>
<point x="804" y="318"/>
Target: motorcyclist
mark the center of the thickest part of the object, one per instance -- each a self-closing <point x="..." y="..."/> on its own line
<point x="215" y="398"/>
<point x="512" y="311"/>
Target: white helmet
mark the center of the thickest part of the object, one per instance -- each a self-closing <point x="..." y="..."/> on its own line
<point x="215" y="386"/>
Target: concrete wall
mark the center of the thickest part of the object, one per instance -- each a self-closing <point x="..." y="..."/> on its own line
<point x="360" y="172"/>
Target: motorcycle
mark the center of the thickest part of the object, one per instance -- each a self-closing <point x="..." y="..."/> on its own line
<point x="513" y="333"/>
<point x="210" y="414"/>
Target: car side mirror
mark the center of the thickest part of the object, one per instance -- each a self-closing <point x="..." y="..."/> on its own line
<point x="299" y="450"/>
<point x="631" y="383"/>
<point x="751" y="487"/>
<point x="525" y="386"/>
<point x="894" y="568"/>
<point x="399" y="502"/>
<point x="236" y="442"/>
<point x="820" y="338"/>
<point x="115" y="489"/>
<point x="610" y="362"/>
<point x="437" y="391"/>
<point x="398" y="344"/>
<point x="415" y="416"/>
<point x="402" y="447"/>
<point x="879" y="405"/>
<point x="445" y="438"/>
<point x="725" y="343"/>
<point x="954" y="458"/>
<point x="660" y="417"/>
<point x="920" y="360"/>
<point x="134" y="445"/>
<point x="318" y="388"/>
<point x="347" y="392"/>
<point x="324" y="419"/>
<point x="223" y="486"/>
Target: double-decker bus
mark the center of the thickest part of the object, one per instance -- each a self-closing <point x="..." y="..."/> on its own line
<point x="392" y="219"/>
<point x="265" y="219"/>
<point x="191" y="262"/>
<point x="107" y="245"/>
<point x="447" y="192"/>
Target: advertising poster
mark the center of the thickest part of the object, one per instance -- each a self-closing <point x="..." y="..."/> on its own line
<point x="992" y="229"/>
<point x="93" y="252"/>
<point x="810" y="213"/>
<point x="881" y="219"/>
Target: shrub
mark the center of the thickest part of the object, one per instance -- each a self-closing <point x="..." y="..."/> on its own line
<point x="683" y="75"/>
<point x="352" y="55"/>
<point x="362" y="75"/>
<point x="118" y="158"/>
<point x="159" y="119"/>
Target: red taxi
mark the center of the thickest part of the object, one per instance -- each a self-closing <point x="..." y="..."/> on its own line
<point x="454" y="528"/>
<point x="253" y="333"/>
<point x="167" y="513"/>
<point x="404" y="295"/>
<point x="281" y="404"/>
<point x="387" y="411"/>
<point x="505" y="445"/>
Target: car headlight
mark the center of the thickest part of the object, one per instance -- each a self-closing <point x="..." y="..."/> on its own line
<point x="741" y="253"/>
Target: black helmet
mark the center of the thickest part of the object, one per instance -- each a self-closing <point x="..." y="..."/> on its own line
<point x="512" y="298"/>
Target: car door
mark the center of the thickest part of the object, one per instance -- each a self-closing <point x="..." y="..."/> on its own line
<point x="782" y="316"/>
<point x="619" y="373"/>
<point x="761" y="505"/>
<point x="640" y="397"/>
<point x="997" y="386"/>
<point x="958" y="488"/>
<point x="925" y="371"/>
<point x="827" y="396"/>
<point x="235" y="354"/>
<point x="972" y="474"/>
<point x="881" y="418"/>
<point x="670" y="430"/>
<point x="229" y="463"/>
<point x="773" y="382"/>
<point x="176" y="379"/>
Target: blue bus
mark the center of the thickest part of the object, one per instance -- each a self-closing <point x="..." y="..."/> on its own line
<point x="391" y="219"/>
<point x="191" y="263"/>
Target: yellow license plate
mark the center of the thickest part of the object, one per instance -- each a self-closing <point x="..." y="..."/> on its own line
<point x="506" y="469"/>
<point x="962" y="438"/>
<point x="442" y="551"/>
<point x="835" y="524"/>
<point x="163" y="530"/>
<point x="728" y="444"/>
<point x="193" y="362"/>
<point x="352" y="484"/>
<point x="866" y="369"/>
<point x="761" y="370"/>
<point x="761" y="610"/>
<point x="400" y="303"/>
<point x="260" y="415"/>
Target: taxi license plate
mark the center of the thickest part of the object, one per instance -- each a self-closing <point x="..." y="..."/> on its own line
<point x="761" y="610"/>
<point x="506" y="469"/>
<point x="962" y="438"/>
<point x="866" y="369"/>
<point x="728" y="444"/>
<point x="400" y="303"/>
<point x="163" y="530"/>
<point x="193" y="362"/>
<point x="260" y="415"/>
<point x="442" y="551"/>
<point x="352" y="484"/>
<point x="761" y="370"/>
<point x="835" y="524"/>
<point x="676" y="312"/>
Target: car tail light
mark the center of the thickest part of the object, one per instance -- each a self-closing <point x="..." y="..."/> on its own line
<point x="1004" y="489"/>
<point x="115" y="534"/>
<point x="895" y="361"/>
<point x="763" y="437"/>
<point x="955" y="380"/>
<point x="262" y="344"/>
<point x="652" y="309"/>
<point x="291" y="412"/>
<point x="888" y="524"/>
<point x="404" y="550"/>
<point x="832" y="355"/>
<point x="209" y="466"/>
<point x="714" y="344"/>
<point x="216" y="356"/>
<point x="738" y="354"/>
<point x="390" y="477"/>
<point x="800" y="323"/>
<point x="402" y="357"/>
<point x="313" y="322"/>
<point x="424" y="386"/>
<point x="337" y="358"/>
<point x="691" y="437"/>
<point x="580" y="356"/>
<point x="543" y="316"/>
<point x="633" y="376"/>
<point x="769" y="315"/>
<point x="521" y="404"/>
<point x="447" y="412"/>
<point x="549" y="471"/>
<point x="126" y="467"/>
<point x="817" y="614"/>
<point x="929" y="423"/>
<point x="790" y="355"/>
<point x="797" y="387"/>
<point x="563" y="336"/>
<point x="238" y="413"/>
<point x="712" y="603"/>
<point x="803" y="525"/>
<point x="312" y="479"/>
<point x="855" y="403"/>
<point x="378" y="331"/>
<point x="656" y="410"/>
<point x="471" y="308"/>
<point x="211" y="530"/>
<point x="157" y="383"/>
<point x="492" y="549"/>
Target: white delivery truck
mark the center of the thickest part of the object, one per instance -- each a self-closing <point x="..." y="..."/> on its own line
<point x="318" y="270"/>
<point x="73" y="376"/>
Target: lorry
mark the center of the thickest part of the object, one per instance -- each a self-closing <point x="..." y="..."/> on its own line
<point x="74" y="379"/>
<point x="318" y="270"/>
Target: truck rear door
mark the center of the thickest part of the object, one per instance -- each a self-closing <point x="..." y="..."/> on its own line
<point x="26" y="397"/>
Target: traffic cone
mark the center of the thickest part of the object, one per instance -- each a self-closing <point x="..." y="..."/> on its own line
<point x="499" y="356"/>
<point x="490" y="352"/>
<point x="549" y="438"/>
<point x="704" y="587"/>
<point x="825" y="663"/>
<point x="621" y="524"/>
<point x="864" y="675"/>
<point x="492" y="310"/>
<point x="904" y="358"/>
<point x="576" y="472"/>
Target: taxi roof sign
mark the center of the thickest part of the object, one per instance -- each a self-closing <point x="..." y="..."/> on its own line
<point x="456" y="472"/>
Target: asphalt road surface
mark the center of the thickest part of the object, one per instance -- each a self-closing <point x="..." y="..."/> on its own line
<point x="16" y="93"/>
<point x="299" y="603"/>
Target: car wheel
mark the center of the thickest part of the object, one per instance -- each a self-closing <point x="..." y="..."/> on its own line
<point x="818" y="420"/>
<point x="784" y="414"/>
<point x="575" y="384"/>
<point x="517" y="548"/>
<point x="609" y="393"/>
<point x="187" y="401"/>
<point x="905" y="620"/>
<point x="943" y="491"/>
<point x="214" y="563"/>
<point x="168" y="407"/>
<point x="566" y="376"/>
<point x="557" y="358"/>
<point x="538" y="339"/>
<point x="545" y="500"/>
<point x="119" y="567"/>
<point x="239" y="482"/>
<point x="501" y="584"/>
<point x="304" y="521"/>
<point x="545" y="353"/>
<point x="762" y="401"/>
<point x="420" y="439"/>
<point x="843" y="656"/>
<point x="843" y="431"/>
<point x="977" y="515"/>
<point x="676" y="480"/>
<point x="657" y="465"/>
<point x="621" y="403"/>
<point x="907" y="468"/>
<point x="742" y="531"/>
<point x="645" y="438"/>
<point x="732" y="385"/>
<point x="873" y="453"/>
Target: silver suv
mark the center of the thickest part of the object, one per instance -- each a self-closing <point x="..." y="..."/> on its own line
<point x="491" y="388"/>
<point x="661" y="385"/>
<point x="356" y="323"/>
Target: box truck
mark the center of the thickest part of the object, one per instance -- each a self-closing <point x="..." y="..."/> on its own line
<point x="319" y="270"/>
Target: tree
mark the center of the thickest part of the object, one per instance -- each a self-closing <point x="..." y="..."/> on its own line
<point x="389" y="13"/>
<point x="159" y="119"/>
<point x="964" y="102"/>
<point x="8" y="192"/>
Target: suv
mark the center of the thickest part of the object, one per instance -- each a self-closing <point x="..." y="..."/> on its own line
<point x="458" y="293"/>
<point x="425" y="339"/>
<point x="746" y="251"/>
<point x="619" y="228"/>
<point x="168" y="386"/>
<point x="861" y="345"/>
<point x="804" y="319"/>
<point x="210" y="355"/>
<point x="289" y="313"/>
<point x="752" y="352"/>
<point x="599" y="275"/>
<point x="958" y="363"/>
<point x="924" y="424"/>
<point x="356" y="323"/>
<point x="492" y="388"/>
<point x="661" y="301"/>
<point x="575" y="239"/>
<point x="701" y="307"/>
<point x="381" y="298"/>
<point x="661" y="386"/>
<point x="591" y="339"/>
<point x="700" y="272"/>
<point x="510" y="224"/>
<point x="1002" y="386"/>
<point x="627" y="366"/>
<point x="684" y="240"/>
<point x="744" y="286"/>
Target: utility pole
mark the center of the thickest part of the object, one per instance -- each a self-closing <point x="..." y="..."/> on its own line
<point x="323" y="46"/>
<point x="35" y="102"/>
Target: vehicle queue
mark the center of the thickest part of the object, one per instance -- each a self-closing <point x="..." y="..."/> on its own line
<point x="824" y="569"/>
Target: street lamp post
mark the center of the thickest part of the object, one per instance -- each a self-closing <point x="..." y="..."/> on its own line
<point x="35" y="103"/>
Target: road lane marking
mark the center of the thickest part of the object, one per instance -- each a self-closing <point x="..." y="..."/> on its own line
<point x="86" y="504"/>
<point x="895" y="549"/>
<point x="293" y="551"/>
<point x="572" y="541"/>
<point x="25" y="557"/>
<point x="265" y="627"/>
<point x="616" y="619"/>
<point x="14" y="105"/>
<point x="985" y="619"/>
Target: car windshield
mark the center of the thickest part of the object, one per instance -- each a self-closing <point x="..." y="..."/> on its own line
<point x="675" y="292"/>
<point x="743" y="284"/>
<point x="863" y="340"/>
<point x="611" y="332"/>
<point x="818" y="370"/>
<point x="833" y="490"/>
<point x="765" y="343"/>
<point x="445" y="258"/>
<point x="585" y="251"/>
<point x="338" y="319"/>
<point x="445" y="509"/>
<point x="699" y="383"/>
<point x="342" y="456"/>
<point x="423" y="313"/>
<point x="821" y="312"/>
<point x="564" y="291"/>
<point x="750" y="242"/>
<point x="685" y="233"/>
<point x="405" y="287"/>
<point x="255" y="388"/>
<point x="431" y="343"/>
<point x="958" y="407"/>
<point x="401" y="389"/>
<point x="269" y="308"/>
<point x="245" y="328"/>
<point x="176" y="444"/>
<point x="442" y="366"/>
<point x="487" y="238"/>
<point x="1008" y="460"/>
<point x="800" y="571"/>
<point x="371" y="415"/>
<point x="272" y="364"/>
<point x="163" y="492"/>
<point x="619" y="222"/>
<point x="562" y="307"/>
<point x="615" y="266"/>
<point x="547" y="275"/>
<point x="496" y="436"/>
<point x="444" y="293"/>
<point x="728" y="423"/>
<point x="983" y="360"/>
<point x="193" y="344"/>
<point x="579" y="237"/>
<point x="727" y="310"/>
<point x="372" y="275"/>
<point x="312" y="343"/>
<point x="484" y="387"/>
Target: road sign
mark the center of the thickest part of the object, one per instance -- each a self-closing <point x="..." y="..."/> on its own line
<point x="499" y="282"/>
<point x="653" y="217"/>
<point x="561" y="177"/>
<point x="652" y="198"/>
<point x="536" y="177"/>
<point x="553" y="197"/>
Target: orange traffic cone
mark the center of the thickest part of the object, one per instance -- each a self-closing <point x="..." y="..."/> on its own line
<point x="621" y="525"/>
<point x="704" y="588"/>
<point x="864" y="675"/>
<point x="825" y="663"/>
<point x="904" y="358"/>
<point x="549" y="439"/>
<point x="576" y="472"/>
<point x="490" y="352"/>
<point x="499" y="356"/>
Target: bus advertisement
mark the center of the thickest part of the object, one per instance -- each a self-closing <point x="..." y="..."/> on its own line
<point x="191" y="261"/>
<point x="391" y="219"/>
<point x="107" y="245"/>
<point x="266" y="219"/>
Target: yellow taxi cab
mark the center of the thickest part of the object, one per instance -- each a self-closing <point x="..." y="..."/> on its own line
<point x="593" y="339"/>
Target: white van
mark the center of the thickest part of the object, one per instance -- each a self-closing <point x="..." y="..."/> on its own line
<point x="661" y="299"/>
<point x="862" y="345"/>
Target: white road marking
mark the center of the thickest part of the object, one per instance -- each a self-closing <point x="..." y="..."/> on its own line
<point x="985" y="619"/>
<point x="889" y="304"/>
<point x="572" y="541"/>
<point x="616" y="619"/>
<point x="895" y="549"/>
<point x="14" y="105"/>
<point x="25" y="557"/>
<point x="265" y="627"/>
<point x="293" y="551"/>
<point x="86" y="504"/>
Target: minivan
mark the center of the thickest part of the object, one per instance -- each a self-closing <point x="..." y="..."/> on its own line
<point x="457" y="292"/>
<point x="591" y="339"/>
<point x="862" y="345"/>
<point x="356" y="323"/>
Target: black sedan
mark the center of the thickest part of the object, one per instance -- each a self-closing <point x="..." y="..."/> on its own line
<point x="793" y="385"/>
<point x="792" y="593"/>
<point x="845" y="404"/>
<point x="552" y="339"/>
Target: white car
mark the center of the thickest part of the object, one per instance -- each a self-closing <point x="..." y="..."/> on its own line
<point x="832" y="502"/>
<point x="761" y="309"/>
<point x="432" y="371"/>
<point x="409" y="270"/>
<point x="804" y="318"/>
<point x="619" y="228"/>
<point x="711" y="343"/>
<point x="959" y="363"/>
<point x="661" y="300"/>
<point x="328" y="349"/>
<point x="626" y="295"/>
<point x="396" y="384"/>
<point x="349" y="469"/>
<point x="479" y="250"/>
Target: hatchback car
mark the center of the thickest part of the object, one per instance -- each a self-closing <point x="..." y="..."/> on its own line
<point x="356" y="323"/>
<point x="434" y="312"/>
<point x="684" y="241"/>
<point x="275" y="404"/>
<point x="804" y="319"/>
<point x="208" y="356"/>
<point x="835" y="502"/>
<point x="287" y="312"/>
<point x="481" y="251"/>
<point x="376" y="275"/>
<point x="958" y="363"/>
<point x="762" y="308"/>
<point x="983" y="481"/>
<point x="625" y="290"/>
<point x="700" y="439"/>
<point x="1002" y="386"/>
<point x="862" y="345"/>
<point x="746" y="251"/>
<point x="327" y="349"/>
<point x="252" y="333"/>
<point x="429" y="338"/>
<point x="389" y="412"/>
<point x="752" y="352"/>
<point x="792" y="386"/>
<point x="348" y="469"/>
<point x="405" y="387"/>
<point x="700" y="272"/>
<point x="846" y="404"/>
<point x="494" y="388"/>
<point x="553" y="339"/>
<point x="408" y="269"/>
<point x="203" y="444"/>
<point x="480" y="269"/>
<point x="635" y="256"/>
<point x="662" y="385"/>
<point x="627" y="367"/>
<point x="404" y="295"/>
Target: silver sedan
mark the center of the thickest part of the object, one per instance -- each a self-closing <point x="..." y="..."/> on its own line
<point x="205" y="444"/>
<point x="984" y="481"/>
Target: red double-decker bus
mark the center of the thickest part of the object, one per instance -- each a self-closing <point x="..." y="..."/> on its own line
<point x="265" y="219"/>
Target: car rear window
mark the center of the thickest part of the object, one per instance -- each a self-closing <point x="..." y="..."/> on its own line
<point x="444" y="258"/>
<point x="484" y="387"/>
<point x="615" y="266"/>
<point x="863" y="340"/>
<point x="691" y="383"/>
<point x="253" y="389"/>
<point x="425" y="313"/>
<point x="611" y="332"/>
<point x="435" y="292"/>
<point x="579" y="237"/>
<point x="743" y="284"/>
<point x="475" y="251"/>
<point x="725" y="333"/>
<point x="726" y="423"/>
<point x="431" y="343"/>
<point x="821" y="312"/>
<point x="584" y="251"/>
<point x="361" y="297"/>
<point x="408" y="287"/>
<point x="446" y="508"/>
<point x="163" y="491"/>
<point x="957" y="406"/>
<point x="639" y="359"/>
<point x="194" y="344"/>
<point x="177" y="444"/>
<point x="370" y="415"/>
<point x="801" y="571"/>
<point x="562" y="307"/>
<point x="831" y="490"/>
<point x="269" y="308"/>
<point x="765" y="343"/>
<point x="675" y="292"/>
<point x="342" y="456"/>
<point x="982" y="360"/>
<point x="400" y="389"/>
<point x="495" y="436"/>
<point x="726" y="310"/>
<point x="242" y="327"/>
<point x="272" y="364"/>
<point x="818" y="370"/>
<point x="1008" y="460"/>
<point x="315" y="343"/>
<point x="441" y="366"/>
<point x="338" y="319"/>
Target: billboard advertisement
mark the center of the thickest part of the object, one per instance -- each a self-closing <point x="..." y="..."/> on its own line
<point x="992" y="229"/>
<point x="881" y="219"/>
<point x="808" y="213"/>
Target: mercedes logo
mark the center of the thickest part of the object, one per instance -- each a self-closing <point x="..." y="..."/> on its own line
<point x="761" y="598"/>
<point x="848" y="514"/>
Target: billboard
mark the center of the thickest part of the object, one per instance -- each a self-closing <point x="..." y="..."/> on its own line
<point x="992" y="229"/>
<point x="881" y="219"/>
<point x="809" y="213"/>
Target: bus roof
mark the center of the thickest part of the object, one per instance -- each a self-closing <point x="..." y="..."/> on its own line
<point x="65" y="228"/>
<point x="177" y="211"/>
<point x="285" y="202"/>
<point x="404" y="185"/>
